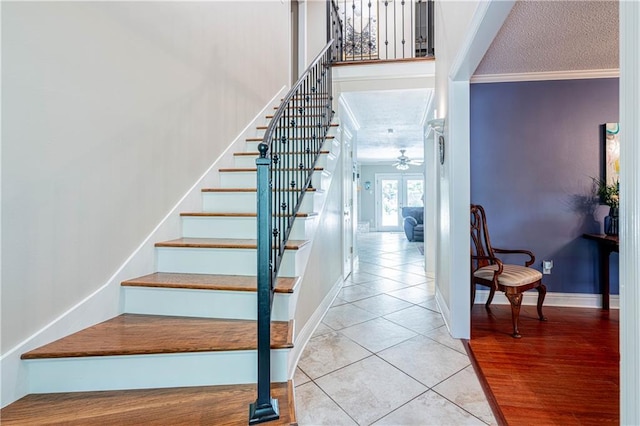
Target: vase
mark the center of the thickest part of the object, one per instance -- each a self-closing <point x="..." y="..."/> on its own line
<point x="611" y="222"/>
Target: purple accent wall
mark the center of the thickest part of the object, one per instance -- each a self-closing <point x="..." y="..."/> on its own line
<point x="534" y="148"/>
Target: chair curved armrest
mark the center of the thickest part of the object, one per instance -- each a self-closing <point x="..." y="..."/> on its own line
<point x="493" y="260"/>
<point x="532" y="258"/>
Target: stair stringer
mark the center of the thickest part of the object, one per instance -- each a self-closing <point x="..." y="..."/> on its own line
<point x="106" y="302"/>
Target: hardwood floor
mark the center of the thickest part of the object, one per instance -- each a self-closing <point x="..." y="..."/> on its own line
<point x="561" y="372"/>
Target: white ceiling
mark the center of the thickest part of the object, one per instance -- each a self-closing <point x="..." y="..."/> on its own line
<point x="538" y="36"/>
<point x="389" y="121"/>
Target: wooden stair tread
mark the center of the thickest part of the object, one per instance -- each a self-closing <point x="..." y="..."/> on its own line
<point x="136" y="334"/>
<point x="251" y="189"/>
<point x="229" y="243"/>
<point x="299" y="127"/>
<point x="256" y="153"/>
<point x="229" y="214"/>
<point x="254" y="169"/>
<point x="207" y="282"/>
<point x="294" y="139"/>
<point x="199" y="405"/>
<point x="270" y="116"/>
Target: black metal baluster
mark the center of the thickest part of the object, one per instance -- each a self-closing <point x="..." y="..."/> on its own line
<point x="395" y="35"/>
<point x="403" y="37"/>
<point x="386" y="29"/>
<point x="430" y="22"/>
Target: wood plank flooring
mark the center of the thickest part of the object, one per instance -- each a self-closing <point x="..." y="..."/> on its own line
<point x="133" y="334"/>
<point x="562" y="372"/>
<point x="204" y="405"/>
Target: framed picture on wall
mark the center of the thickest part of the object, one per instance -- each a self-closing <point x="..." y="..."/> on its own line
<point x="611" y="153"/>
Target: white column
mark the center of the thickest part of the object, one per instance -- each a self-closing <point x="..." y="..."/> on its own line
<point x="630" y="212"/>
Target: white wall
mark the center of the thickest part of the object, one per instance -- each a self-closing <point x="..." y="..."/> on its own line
<point x="452" y="21"/>
<point x="479" y="23"/>
<point x="111" y="111"/>
<point x="313" y="29"/>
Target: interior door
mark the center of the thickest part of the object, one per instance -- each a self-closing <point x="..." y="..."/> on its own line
<point x="349" y="169"/>
<point x="394" y="191"/>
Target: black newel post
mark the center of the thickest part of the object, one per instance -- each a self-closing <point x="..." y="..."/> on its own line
<point x="265" y="408"/>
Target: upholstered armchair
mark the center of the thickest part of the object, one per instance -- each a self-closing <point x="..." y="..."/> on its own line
<point x="489" y="271"/>
<point x="413" y="222"/>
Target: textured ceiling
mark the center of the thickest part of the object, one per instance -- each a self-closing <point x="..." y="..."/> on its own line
<point x="541" y="36"/>
<point x="389" y="120"/>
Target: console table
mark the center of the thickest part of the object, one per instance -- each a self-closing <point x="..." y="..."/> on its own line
<point x="607" y="244"/>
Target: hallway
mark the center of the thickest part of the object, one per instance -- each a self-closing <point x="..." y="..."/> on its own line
<point x="382" y="354"/>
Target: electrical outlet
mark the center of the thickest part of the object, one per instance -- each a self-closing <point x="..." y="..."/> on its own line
<point x="546" y="266"/>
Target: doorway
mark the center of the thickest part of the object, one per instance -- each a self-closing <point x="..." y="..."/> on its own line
<point x="394" y="191"/>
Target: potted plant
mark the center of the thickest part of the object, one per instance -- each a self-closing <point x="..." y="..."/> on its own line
<point x="609" y="194"/>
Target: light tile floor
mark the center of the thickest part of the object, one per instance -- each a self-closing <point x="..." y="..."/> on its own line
<point x="382" y="354"/>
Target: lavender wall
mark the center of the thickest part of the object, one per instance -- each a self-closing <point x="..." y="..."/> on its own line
<point x="534" y="147"/>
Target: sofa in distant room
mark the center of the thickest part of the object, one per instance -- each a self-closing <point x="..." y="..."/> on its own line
<point x="413" y="222"/>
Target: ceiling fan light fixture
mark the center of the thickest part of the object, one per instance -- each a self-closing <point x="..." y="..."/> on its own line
<point x="404" y="162"/>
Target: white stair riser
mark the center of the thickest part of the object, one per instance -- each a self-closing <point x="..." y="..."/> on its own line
<point x="150" y="371"/>
<point x="235" y="227"/>
<point x="248" y="180"/>
<point x="220" y="261"/>
<point x="202" y="303"/>
<point x="243" y="161"/>
<point x="245" y="202"/>
<point x="252" y="146"/>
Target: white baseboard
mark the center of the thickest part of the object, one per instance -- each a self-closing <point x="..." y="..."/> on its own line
<point x="444" y="309"/>
<point x="569" y="300"/>
<point x="309" y="328"/>
<point x="105" y="302"/>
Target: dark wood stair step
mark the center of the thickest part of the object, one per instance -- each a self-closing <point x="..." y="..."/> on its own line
<point x="253" y="169"/>
<point x="291" y="139"/>
<point x="213" y="214"/>
<point x="270" y="116"/>
<point x="256" y="153"/>
<point x="188" y="406"/>
<point x="226" y="243"/>
<point x="135" y="334"/>
<point x="299" y="127"/>
<point x="207" y="282"/>
<point x="250" y="189"/>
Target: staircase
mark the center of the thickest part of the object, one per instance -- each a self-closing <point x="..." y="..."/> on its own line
<point x="184" y="349"/>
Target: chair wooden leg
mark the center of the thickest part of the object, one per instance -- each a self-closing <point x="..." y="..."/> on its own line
<point x="516" y="301"/>
<point x="492" y="292"/>
<point x="542" y="292"/>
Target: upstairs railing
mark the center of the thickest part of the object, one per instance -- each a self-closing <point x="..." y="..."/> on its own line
<point x="385" y="29"/>
<point x="288" y="155"/>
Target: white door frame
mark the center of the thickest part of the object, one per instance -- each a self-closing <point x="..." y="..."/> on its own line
<point x="402" y="177"/>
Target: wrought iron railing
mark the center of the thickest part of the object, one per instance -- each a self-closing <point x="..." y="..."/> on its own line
<point x="288" y="155"/>
<point x="385" y="29"/>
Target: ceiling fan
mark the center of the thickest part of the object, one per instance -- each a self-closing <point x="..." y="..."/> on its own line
<point x="404" y="162"/>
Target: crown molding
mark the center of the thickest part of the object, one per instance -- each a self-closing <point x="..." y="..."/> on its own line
<point x="545" y="75"/>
